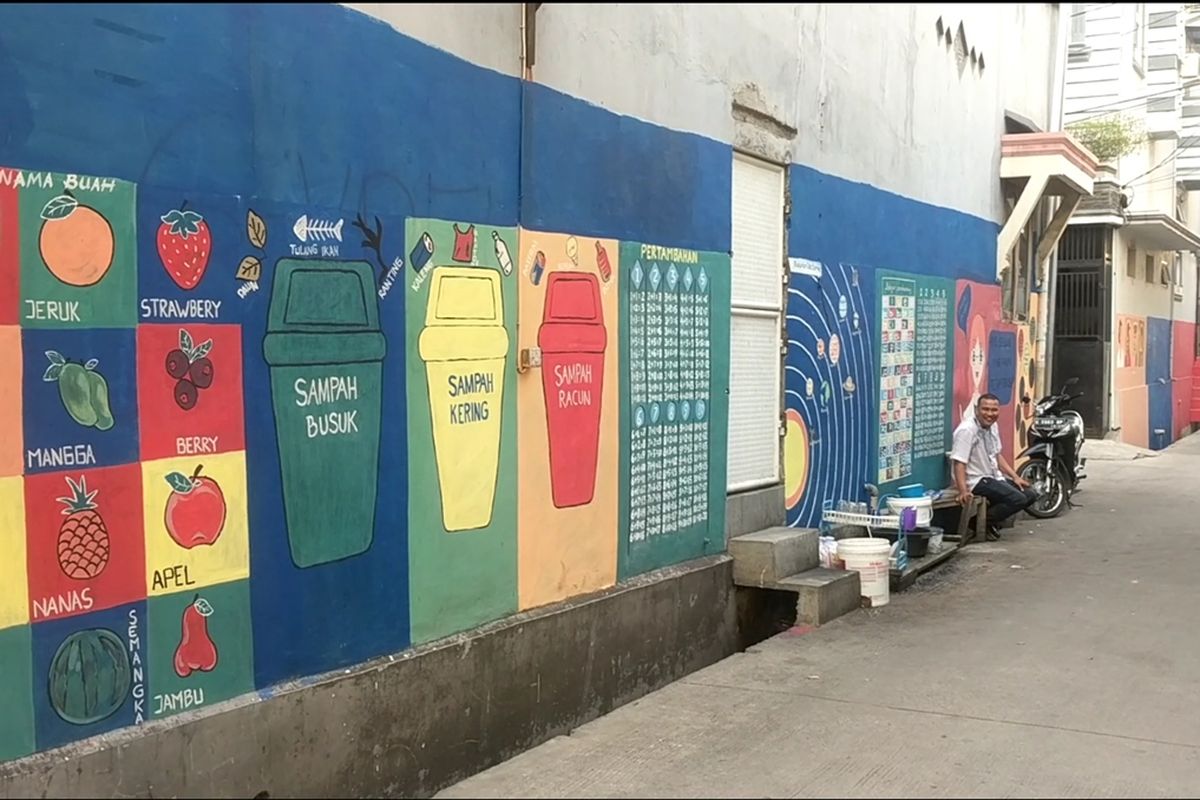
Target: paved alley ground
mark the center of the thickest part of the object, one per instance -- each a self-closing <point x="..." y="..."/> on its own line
<point x="1062" y="661"/>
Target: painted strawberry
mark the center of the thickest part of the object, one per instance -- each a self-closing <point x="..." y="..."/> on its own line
<point x="184" y="245"/>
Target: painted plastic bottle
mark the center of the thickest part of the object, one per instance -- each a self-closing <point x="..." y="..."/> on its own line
<point x="502" y="255"/>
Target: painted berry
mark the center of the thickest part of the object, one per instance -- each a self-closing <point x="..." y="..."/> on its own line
<point x="186" y="394"/>
<point x="184" y="246"/>
<point x="177" y="364"/>
<point x="201" y="373"/>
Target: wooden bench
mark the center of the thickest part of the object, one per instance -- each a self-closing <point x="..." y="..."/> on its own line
<point x="977" y="510"/>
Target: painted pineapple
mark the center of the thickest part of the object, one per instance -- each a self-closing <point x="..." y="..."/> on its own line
<point x="83" y="536"/>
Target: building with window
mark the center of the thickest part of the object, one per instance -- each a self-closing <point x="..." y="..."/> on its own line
<point x="478" y="328"/>
<point x="1125" y="295"/>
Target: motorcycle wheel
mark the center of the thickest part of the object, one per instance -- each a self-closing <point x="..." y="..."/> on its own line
<point x="1050" y="485"/>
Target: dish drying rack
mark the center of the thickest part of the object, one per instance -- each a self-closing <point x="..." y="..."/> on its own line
<point x="832" y="516"/>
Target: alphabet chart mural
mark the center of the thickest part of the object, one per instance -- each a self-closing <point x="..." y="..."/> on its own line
<point x="915" y="401"/>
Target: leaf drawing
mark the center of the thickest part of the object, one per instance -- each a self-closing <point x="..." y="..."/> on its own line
<point x="185" y="341"/>
<point x="180" y="482"/>
<point x="256" y="229"/>
<point x="250" y="269"/>
<point x="59" y="207"/>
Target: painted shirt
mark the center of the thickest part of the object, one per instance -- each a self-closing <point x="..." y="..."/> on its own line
<point x="464" y="244"/>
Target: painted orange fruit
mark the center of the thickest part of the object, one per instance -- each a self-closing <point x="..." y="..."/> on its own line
<point x="76" y="242"/>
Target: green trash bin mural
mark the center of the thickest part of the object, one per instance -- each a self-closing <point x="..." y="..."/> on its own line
<point x="325" y="351"/>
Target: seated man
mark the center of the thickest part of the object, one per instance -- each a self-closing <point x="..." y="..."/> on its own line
<point x="979" y="466"/>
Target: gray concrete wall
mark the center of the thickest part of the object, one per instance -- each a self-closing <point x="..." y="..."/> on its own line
<point x="747" y="512"/>
<point x="410" y="724"/>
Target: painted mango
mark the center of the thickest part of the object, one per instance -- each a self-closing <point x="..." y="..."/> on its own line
<point x="98" y="397"/>
<point x="75" y="389"/>
<point x="83" y="391"/>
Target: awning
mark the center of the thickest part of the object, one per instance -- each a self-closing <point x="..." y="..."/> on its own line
<point x="1052" y="165"/>
<point x="1159" y="232"/>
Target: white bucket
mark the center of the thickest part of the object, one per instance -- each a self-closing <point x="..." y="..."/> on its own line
<point x="923" y="505"/>
<point x="869" y="558"/>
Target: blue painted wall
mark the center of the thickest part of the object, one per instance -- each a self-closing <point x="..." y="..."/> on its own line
<point x="288" y="110"/>
<point x="854" y="230"/>
<point x="587" y="170"/>
<point x="1158" y="382"/>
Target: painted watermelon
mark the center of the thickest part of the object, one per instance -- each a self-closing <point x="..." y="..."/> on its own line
<point x="89" y="676"/>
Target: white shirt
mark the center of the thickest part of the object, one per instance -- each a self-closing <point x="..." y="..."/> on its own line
<point x="977" y="447"/>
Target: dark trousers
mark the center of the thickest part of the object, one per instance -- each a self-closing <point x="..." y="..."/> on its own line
<point x="1004" y="498"/>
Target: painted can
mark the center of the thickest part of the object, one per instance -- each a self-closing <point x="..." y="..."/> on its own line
<point x="572" y="338"/>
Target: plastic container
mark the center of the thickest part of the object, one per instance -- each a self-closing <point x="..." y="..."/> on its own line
<point x="912" y="490"/>
<point x="936" y="540"/>
<point x="869" y="557"/>
<point x="325" y="351"/>
<point x="464" y="346"/>
<point x="923" y="506"/>
<point x="572" y="339"/>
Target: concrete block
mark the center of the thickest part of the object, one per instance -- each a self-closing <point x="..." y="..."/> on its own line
<point x="764" y="558"/>
<point x="754" y="510"/>
<point x="823" y="594"/>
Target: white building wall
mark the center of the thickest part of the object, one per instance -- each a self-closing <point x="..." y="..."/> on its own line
<point x="870" y="93"/>
<point x="486" y="34"/>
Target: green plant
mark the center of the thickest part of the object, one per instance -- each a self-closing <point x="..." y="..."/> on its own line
<point x="1109" y="137"/>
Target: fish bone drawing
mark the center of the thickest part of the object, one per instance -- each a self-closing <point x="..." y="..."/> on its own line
<point x="317" y="230"/>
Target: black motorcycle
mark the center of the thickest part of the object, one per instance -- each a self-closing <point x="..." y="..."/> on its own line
<point x="1053" y="464"/>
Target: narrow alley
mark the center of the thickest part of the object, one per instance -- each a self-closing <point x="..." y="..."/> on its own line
<point x="1058" y="662"/>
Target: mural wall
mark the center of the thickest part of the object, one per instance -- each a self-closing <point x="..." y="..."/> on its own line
<point x="997" y="357"/>
<point x="895" y="327"/>
<point x="266" y="416"/>
<point x="461" y="311"/>
<point x="568" y="415"/>
<point x="875" y="371"/>
<point x="674" y="404"/>
<point x="1129" y="381"/>
<point x="828" y="383"/>
<point x="1152" y="362"/>
<point x="1183" y="349"/>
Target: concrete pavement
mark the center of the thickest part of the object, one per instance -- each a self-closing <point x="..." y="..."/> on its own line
<point x="1061" y="661"/>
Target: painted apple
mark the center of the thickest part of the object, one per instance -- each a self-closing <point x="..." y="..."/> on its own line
<point x="195" y="511"/>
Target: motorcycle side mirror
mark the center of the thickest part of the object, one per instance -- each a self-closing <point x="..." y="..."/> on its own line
<point x="1070" y="382"/>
